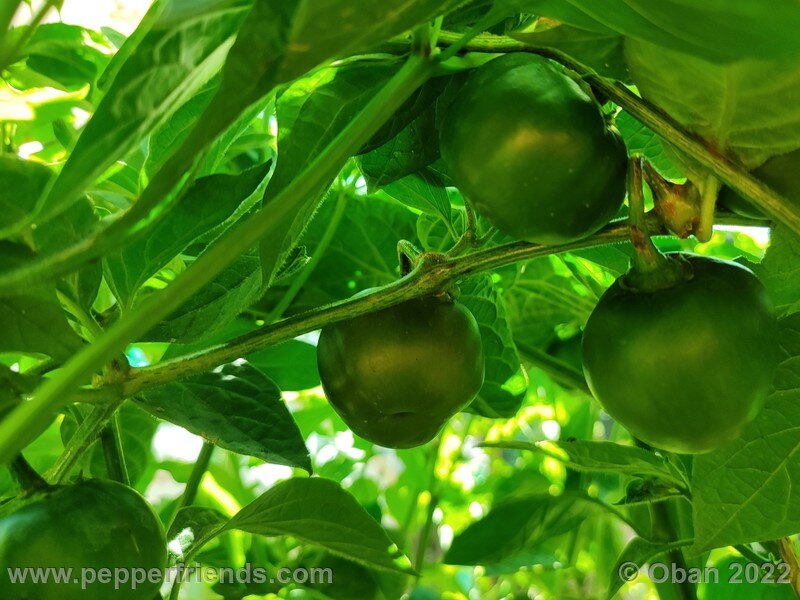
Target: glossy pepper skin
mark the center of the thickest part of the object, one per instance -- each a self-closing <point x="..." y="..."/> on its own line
<point x="529" y="148"/>
<point x="684" y="368"/>
<point x="93" y="524"/>
<point x="781" y="173"/>
<point x="397" y="375"/>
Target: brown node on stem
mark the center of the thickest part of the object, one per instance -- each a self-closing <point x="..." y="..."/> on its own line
<point x="676" y="205"/>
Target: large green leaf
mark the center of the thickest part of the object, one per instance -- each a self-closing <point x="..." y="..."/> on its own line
<point x="641" y="140"/>
<point x="318" y="511"/>
<point x="136" y="428"/>
<point x="780" y="270"/>
<point x="599" y="50"/>
<point x="310" y="114"/>
<point x="291" y="365"/>
<point x="424" y="191"/>
<point x="747" y="109"/>
<point x="718" y="30"/>
<point x="32" y="319"/>
<point x="21" y="184"/>
<point x="597" y="456"/>
<point x="411" y="150"/>
<point x="540" y="295"/>
<point x="749" y="490"/>
<point x="235" y="407"/>
<point x="61" y="56"/>
<point x="73" y="225"/>
<point x="208" y="203"/>
<point x="517" y="524"/>
<point x="505" y="384"/>
<point x="183" y="48"/>
<point x="165" y="140"/>
<point x="419" y="102"/>
<point x="216" y="305"/>
<point x="361" y="254"/>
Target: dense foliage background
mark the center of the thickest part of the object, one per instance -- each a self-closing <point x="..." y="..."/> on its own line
<point x="126" y="160"/>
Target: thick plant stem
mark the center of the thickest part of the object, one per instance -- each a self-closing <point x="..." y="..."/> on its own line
<point x="432" y="275"/>
<point x="685" y="589"/>
<point x="20" y="427"/>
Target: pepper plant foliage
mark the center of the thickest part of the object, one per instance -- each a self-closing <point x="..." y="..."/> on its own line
<point x="182" y="209"/>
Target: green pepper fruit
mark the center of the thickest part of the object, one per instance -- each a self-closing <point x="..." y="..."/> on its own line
<point x="92" y="525"/>
<point x="684" y="368"/>
<point x="397" y="375"/>
<point x="781" y="173"/>
<point x="530" y="149"/>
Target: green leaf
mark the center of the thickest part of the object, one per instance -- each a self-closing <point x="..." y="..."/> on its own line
<point x="413" y="149"/>
<point x="136" y="433"/>
<point x="12" y="386"/>
<point x="780" y="270"/>
<point x="318" y="511"/>
<point x="516" y="525"/>
<point x="541" y="295"/>
<point x="192" y="524"/>
<point x="208" y="203"/>
<point x="74" y="225"/>
<point x="32" y="320"/>
<point x="424" y="191"/>
<point x="61" y="56"/>
<point x="636" y="554"/>
<point x="310" y="114"/>
<point x="269" y="52"/>
<point x="21" y="184"/>
<point x="291" y="365"/>
<point x="362" y="253"/>
<point x="168" y="137"/>
<point x="419" y="102"/>
<point x="641" y="140"/>
<point x="601" y="457"/>
<point x="717" y="30"/>
<point x="41" y="454"/>
<point x="739" y="488"/>
<point x="505" y="384"/>
<point x="137" y="429"/>
<point x="598" y="50"/>
<point x="171" y="134"/>
<point x="736" y="582"/>
<point x="747" y="109"/>
<point x="234" y="407"/>
<point x="180" y="52"/>
<point x="358" y="27"/>
<point x="216" y="305"/>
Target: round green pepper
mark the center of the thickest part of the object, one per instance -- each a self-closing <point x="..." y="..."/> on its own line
<point x="530" y="149"/>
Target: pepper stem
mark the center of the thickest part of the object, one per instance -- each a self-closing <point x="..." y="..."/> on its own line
<point x="646" y="258"/>
<point x="650" y="269"/>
